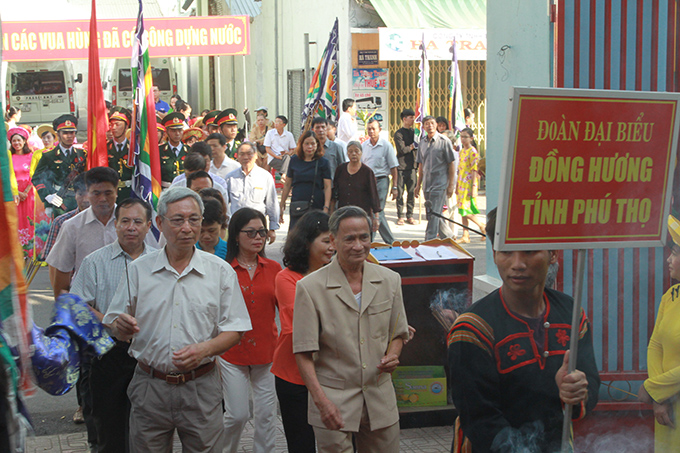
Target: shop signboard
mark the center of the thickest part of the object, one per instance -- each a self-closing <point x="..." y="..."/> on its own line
<point x="587" y="169"/>
<point x="404" y="44"/>
<point x="168" y="37"/>
<point x="370" y="91"/>
<point x="367" y="57"/>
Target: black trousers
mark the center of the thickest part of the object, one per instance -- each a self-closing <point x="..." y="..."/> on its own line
<point x="84" y="394"/>
<point x="293" y="405"/>
<point x="406" y="179"/>
<point x="109" y="379"/>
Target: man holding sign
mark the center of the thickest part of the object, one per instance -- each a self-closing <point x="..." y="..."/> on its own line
<point x="508" y="357"/>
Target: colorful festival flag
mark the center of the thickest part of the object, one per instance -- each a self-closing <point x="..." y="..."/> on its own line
<point x="322" y="97"/>
<point x="146" y="181"/>
<point x="15" y="312"/>
<point x="97" y="116"/>
<point x="423" y="104"/>
<point x="457" y="120"/>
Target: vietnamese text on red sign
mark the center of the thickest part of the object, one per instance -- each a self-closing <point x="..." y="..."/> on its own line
<point x="168" y="37"/>
<point x="590" y="174"/>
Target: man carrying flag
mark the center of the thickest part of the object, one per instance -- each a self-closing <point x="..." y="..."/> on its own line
<point x="118" y="149"/>
<point x="146" y="181"/>
<point x="322" y="97"/>
<point x="97" y="115"/>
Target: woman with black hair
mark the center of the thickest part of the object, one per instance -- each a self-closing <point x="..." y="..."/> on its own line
<point x="249" y="363"/>
<point x="308" y="179"/>
<point x="308" y="248"/>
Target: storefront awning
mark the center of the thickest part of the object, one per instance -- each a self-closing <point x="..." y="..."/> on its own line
<point x="455" y="14"/>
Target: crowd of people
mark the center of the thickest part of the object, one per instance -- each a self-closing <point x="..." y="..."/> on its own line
<point x="191" y="298"/>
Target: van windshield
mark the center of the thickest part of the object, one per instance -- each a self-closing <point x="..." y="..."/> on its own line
<point x="161" y="79"/>
<point x="41" y="82"/>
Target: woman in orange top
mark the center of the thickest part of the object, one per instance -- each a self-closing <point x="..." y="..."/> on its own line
<point x="308" y="248"/>
<point x="249" y="363"/>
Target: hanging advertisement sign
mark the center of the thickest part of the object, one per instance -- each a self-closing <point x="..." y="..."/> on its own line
<point x="370" y="90"/>
<point x="404" y="44"/>
<point x="168" y="37"/>
<point x="587" y="169"/>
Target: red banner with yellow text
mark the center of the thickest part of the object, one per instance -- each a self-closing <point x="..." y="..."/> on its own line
<point x="168" y="37"/>
<point x="587" y="169"/>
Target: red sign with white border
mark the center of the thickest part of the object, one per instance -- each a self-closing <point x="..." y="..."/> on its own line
<point x="587" y="169"/>
<point x="168" y="37"/>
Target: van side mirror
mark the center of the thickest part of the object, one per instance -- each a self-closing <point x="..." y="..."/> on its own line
<point x="79" y="79"/>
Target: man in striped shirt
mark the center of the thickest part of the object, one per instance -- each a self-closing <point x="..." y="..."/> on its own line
<point x="96" y="283"/>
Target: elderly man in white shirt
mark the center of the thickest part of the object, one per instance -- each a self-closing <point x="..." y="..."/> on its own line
<point x="96" y="284"/>
<point x="380" y="156"/>
<point x="181" y="307"/>
<point x="252" y="187"/>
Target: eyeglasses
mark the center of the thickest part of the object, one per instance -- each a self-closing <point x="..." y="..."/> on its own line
<point x="252" y="233"/>
<point x="177" y="222"/>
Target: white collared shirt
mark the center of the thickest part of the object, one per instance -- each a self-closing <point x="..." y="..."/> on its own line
<point x="78" y="237"/>
<point x="228" y="165"/>
<point x="100" y="273"/>
<point x="279" y="143"/>
<point x="255" y="190"/>
<point x="176" y="310"/>
<point x="381" y="157"/>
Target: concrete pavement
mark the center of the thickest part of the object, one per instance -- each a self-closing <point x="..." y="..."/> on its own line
<point x="52" y="415"/>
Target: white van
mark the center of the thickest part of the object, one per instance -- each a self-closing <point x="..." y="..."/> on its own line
<point x="121" y="89"/>
<point x="43" y="90"/>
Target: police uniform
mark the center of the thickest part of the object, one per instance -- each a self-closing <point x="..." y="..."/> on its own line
<point x="118" y="159"/>
<point x="228" y="116"/>
<point x="55" y="166"/>
<point x="172" y="162"/>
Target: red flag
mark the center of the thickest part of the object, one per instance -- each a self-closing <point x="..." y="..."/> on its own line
<point x="97" y="115"/>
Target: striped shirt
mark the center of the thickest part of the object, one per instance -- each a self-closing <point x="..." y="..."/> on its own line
<point x="100" y="273"/>
<point x="55" y="226"/>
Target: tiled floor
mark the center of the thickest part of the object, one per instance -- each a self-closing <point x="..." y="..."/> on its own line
<point x="418" y="440"/>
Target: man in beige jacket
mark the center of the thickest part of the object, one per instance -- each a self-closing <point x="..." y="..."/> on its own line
<point x="350" y="313"/>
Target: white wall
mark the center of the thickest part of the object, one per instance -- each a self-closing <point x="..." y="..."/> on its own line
<point x="524" y="27"/>
<point x="296" y="17"/>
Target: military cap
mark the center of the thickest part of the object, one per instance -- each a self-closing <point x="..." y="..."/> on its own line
<point x="121" y="115"/>
<point x="227" y="116"/>
<point x="210" y="117"/>
<point x="66" y="123"/>
<point x="174" y="120"/>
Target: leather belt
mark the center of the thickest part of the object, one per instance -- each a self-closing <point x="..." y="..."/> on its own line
<point x="178" y="378"/>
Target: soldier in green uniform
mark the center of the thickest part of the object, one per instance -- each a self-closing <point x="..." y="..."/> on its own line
<point x="174" y="151"/>
<point x="58" y="167"/>
<point x="228" y="125"/>
<point x="118" y="148"/>
<point x="209" y="122"/>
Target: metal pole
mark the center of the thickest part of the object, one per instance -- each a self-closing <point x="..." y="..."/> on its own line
<point x="307" y="67"/>
<point x="245" y="87"/>
<point x="276" y="53"/>
<point x="573" y="344"/>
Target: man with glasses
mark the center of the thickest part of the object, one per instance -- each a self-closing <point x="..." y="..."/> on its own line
<point x="253" y="187"/>
<point x="180" y="307"/>
<point x="96" y="284"/>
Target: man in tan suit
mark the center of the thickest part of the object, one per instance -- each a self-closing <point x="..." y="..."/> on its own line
<point x="347" y="312"/>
